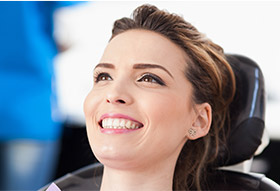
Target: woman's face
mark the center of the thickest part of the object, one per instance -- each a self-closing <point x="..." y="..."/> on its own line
<point x="139" y="110"/>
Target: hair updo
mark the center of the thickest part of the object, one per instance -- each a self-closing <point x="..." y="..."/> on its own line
<point x="212" y="80"/>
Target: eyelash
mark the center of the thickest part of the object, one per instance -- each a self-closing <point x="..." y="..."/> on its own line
<point x="99" y="75"/>
<point x="157" y="79"/>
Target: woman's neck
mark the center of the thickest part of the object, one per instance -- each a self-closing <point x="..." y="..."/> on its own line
<point x="153" y="178"/>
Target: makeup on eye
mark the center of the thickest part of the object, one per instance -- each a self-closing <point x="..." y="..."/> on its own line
<point x="151" y="78"/>
<point x="147" y="77"/>
<point x="102" y="76"/>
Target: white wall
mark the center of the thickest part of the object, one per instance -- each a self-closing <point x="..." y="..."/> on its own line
<point x="248" y="28"/>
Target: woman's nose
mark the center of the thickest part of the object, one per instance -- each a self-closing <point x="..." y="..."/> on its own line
<point x="119" y="95"/>
<point x="116" y="101"/>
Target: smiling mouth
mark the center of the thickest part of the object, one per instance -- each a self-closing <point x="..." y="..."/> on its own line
<point x="119" y="123"/>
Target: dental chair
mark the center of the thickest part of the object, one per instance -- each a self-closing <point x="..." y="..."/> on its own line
<point x="246" y="138"/>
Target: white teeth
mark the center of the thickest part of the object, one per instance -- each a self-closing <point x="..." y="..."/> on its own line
<point x="116" y="123"/>
<point x="122" y="123"/>
<point x="133" y="126"/>
<point x="128" y="124"/>
<point x="109" y="122"/>
<point x="112" y="123"/>
<point x="104" y="123"/>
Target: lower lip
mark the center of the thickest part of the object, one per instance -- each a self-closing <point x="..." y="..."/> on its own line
<point x="117" y="131"/>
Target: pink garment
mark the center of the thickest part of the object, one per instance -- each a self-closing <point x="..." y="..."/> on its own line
<point x="53" y="187"/>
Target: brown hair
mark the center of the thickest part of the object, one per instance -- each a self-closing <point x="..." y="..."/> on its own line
<point x="212" y="80"/>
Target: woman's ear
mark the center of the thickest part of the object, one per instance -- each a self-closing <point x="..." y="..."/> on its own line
<point x="201" y="123"/>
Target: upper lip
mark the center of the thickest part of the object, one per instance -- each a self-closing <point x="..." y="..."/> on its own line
<point x="120" y="116"/>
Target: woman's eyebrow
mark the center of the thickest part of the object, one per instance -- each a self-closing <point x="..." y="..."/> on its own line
<point x="104" y="65"/>
<point x="147" y="66"/>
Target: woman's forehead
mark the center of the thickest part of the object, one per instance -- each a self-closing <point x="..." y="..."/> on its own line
<point x="137" y="46"/>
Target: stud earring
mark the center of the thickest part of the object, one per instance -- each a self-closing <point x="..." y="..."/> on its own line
<point x="192" y="132"/>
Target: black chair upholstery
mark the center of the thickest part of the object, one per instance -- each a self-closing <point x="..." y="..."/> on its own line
<point x="244" y="137"/>
<point x="233" y="180"/>
<point x="89" y="178"/>
<point x="247" y="112"/>
<point x="86" y="178"/>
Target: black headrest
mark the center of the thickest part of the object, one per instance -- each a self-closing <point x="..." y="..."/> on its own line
<point x="246" y="112"/>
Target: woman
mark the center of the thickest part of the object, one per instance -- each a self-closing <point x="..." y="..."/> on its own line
<point x="160" y="98"/>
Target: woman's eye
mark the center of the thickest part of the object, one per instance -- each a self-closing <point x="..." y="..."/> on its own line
<point x="102" y="77"/>
<point x="150" y="78"/>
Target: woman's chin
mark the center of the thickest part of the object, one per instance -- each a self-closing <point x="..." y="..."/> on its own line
<point x="121" y="160"/>
<point x="118" y="164"/>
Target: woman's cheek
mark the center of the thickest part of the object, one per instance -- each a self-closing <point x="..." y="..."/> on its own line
<point x="157" y="107"/>
<point x="89" y="105"/>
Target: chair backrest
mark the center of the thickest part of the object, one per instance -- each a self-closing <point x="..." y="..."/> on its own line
<point x="247" y="112"/>
<point x="247" y="115"/>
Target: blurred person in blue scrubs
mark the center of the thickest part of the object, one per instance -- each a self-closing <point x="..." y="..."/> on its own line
<point x="29" y="130"/>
